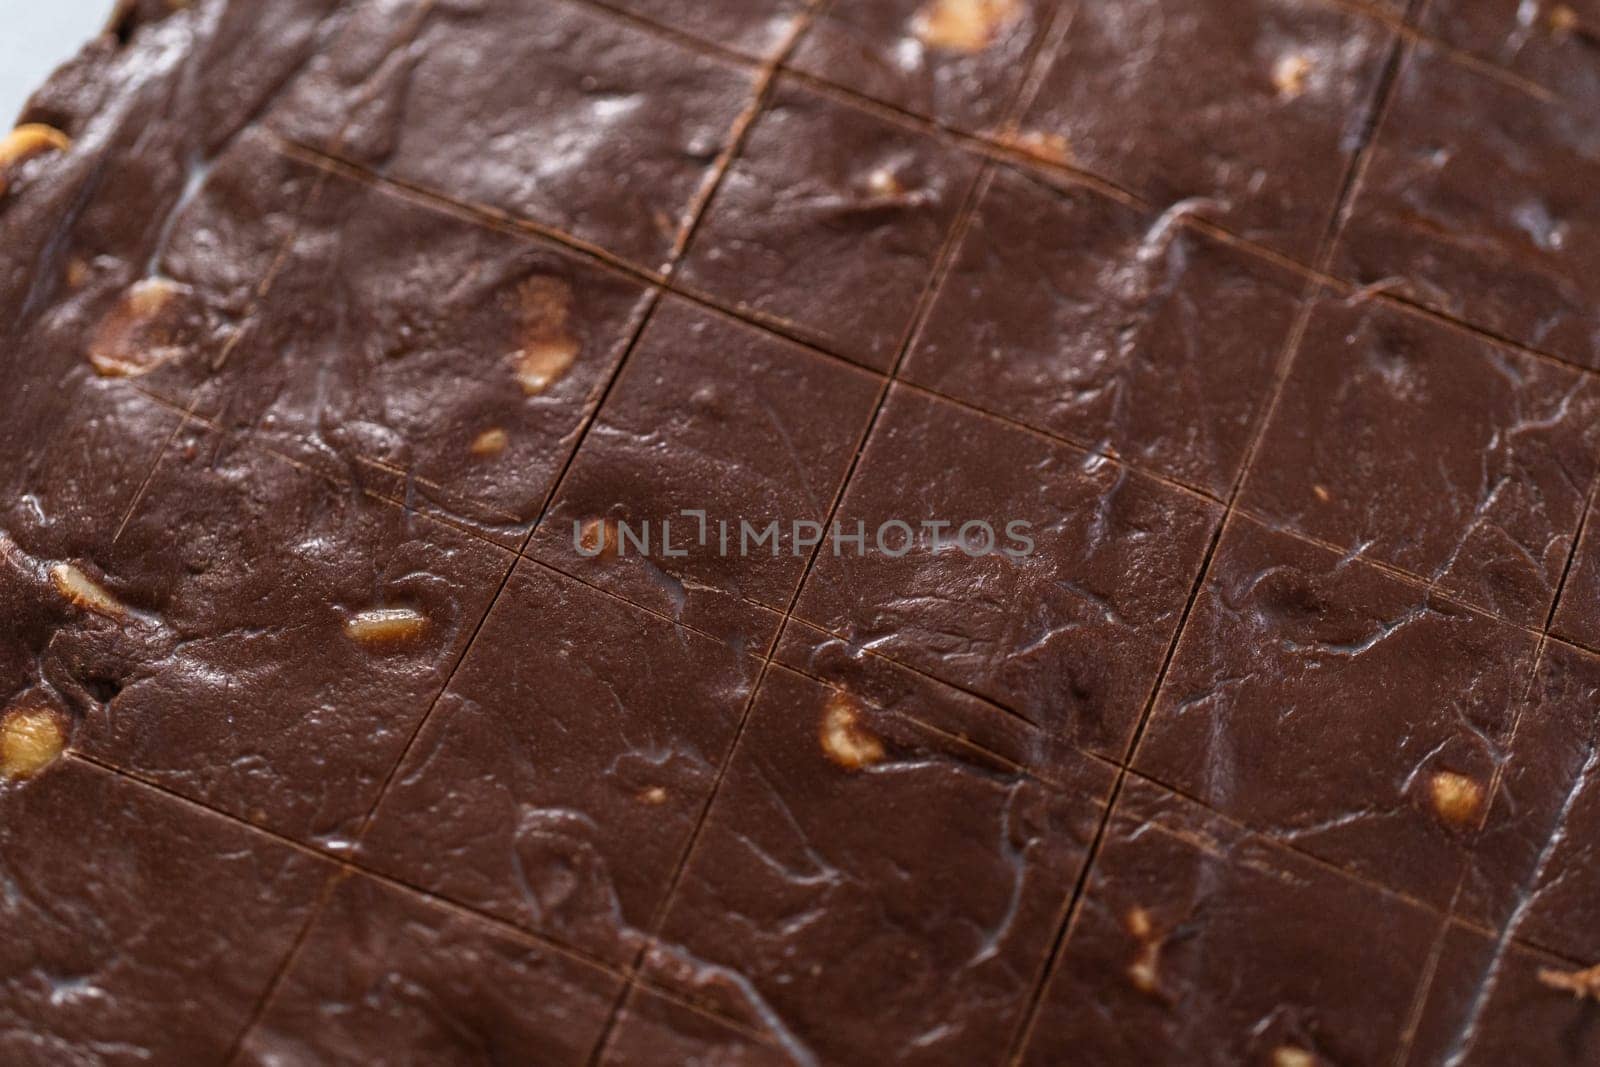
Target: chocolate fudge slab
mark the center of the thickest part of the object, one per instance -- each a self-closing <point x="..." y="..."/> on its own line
<point x="959" y="62"/>
<point x="711" y="416"/>
<point x="1554" y="43"/>
<point x="548" y="110"/>
<point x="1196" y="943"/>
<point x="139" y="928"/>
<point x="341" y="337"/>
<point x="1247" y="111"/>
<point x="385" y="976"/>
<point x="253" y="670"/>
<point x="826" y="201"/>
<point x="400" y="338"/>
<point x="1123" y="330"/>
<point x="754" y="28"/>
<point x="1294" y="651"/>
<point x="1475" y="202"/>
<point x="1069" y="636"/>
<point x="1420" y="445"/>
<point x="565" y="768"/>
<point x="864" y="889"/>
<point x="1495" y="1002"/>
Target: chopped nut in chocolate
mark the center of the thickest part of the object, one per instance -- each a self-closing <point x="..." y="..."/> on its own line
<point x="26" y="141"/>
<point x="385" y="626"/>
<point x="844" y="739"/>
<point x="30" y="740"/>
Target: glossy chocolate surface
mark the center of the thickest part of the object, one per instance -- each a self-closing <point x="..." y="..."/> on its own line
<point x="1146" y="360"/>
<point x="1200" y="943"/>
<point x="829" y="200"/>
<point x="1554" y="44"/>
<point x="1460" y="153"/>
<point x="714" y="417"/>
<point x="1070" y="637"/>
<point x="756" y="28"/>
<point x="1291" y="649"/>
<point x="959" y="64"/>
<point x="1423" y="446"/>
<point x="393" y="388"/>
<point x="1248" y="111"/>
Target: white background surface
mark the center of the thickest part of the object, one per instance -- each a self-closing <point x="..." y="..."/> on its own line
<point x="36" y="36"/>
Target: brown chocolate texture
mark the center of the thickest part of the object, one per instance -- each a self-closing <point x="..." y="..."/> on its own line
<point x="344" y="341"/>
